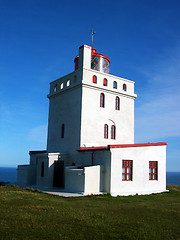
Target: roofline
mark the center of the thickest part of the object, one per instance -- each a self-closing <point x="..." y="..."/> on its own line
<point x="108" y="147"/>
<point x="93" y="148"/>
<point x="138" y="145"/>
<point x="36" y="152"/>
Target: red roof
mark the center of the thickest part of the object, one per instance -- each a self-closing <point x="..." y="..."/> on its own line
<point x="108" y="147"/>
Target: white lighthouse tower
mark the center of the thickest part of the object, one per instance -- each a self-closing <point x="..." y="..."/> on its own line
<point x="90" y="145"/>
<point x="90" y="107"/>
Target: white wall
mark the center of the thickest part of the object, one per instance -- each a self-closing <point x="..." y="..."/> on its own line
<point x="102" y="158"/>
<point x="94" y="117"/>
<point x="65" y="108"/>
<point x="85" y="180"/>
<point x="140" y="180"/>
<point x="78" y="107"/>
<point x="85" y="56"/>
<point x="92" y="180"/>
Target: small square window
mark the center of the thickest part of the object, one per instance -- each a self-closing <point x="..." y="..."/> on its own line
<point x="153" y="170"/>
<point x="127" y="170"/>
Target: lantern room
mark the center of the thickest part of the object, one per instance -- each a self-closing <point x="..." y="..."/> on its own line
<point x="99" y="62"/>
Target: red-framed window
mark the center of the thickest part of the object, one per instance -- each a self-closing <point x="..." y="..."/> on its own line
<point x="127" y="170"/>
<point x="153" y="170"/>
<point x="113" y="132"/>
<point x="105" y="82"/>
<point x="102" y="99"/>
<point x="105" y="131"/>
<point x="115" y="84"/>
<point x="117" y="103"/>
<point x="94" y="79"/>
<point x="124" y="87"/>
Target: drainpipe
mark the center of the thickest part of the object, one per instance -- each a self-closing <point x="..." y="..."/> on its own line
<point x="93" y="157"/>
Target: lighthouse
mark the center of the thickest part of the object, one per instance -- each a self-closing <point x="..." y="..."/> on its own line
<point x="90" y="144"/>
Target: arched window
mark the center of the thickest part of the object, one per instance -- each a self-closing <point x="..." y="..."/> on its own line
<point x="94" y="79"/>
<point x="113" y="132"/>
<point x="42" y="169"/>
<point x="105" y="131"/>
<point x="55" y="88"/>
<point x="117" y="103"/>
<point x="62" y="130"/>
<point x="62" y="85"/>
<point x="124" y="87"/>
<point x="102" y="100"/>
<point x="105" y="82"/>
<point x="115" y="84"/>
<point x="68" y="83"/>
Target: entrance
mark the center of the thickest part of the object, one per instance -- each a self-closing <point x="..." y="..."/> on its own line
<point x="58" y="174"/>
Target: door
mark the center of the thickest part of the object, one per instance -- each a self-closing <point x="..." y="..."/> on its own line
<point x="58" y="174"/>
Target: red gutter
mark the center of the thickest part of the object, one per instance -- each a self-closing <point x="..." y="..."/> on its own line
<point x="138" y="145"/>
<point x="122" y="146"/>
<point x="93" y="148"/>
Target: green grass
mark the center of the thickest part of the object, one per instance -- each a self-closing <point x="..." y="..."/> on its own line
<point x="28" y="214"/>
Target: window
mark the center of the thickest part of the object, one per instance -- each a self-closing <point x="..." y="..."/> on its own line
<point x="127" y="170"/>
<point x="42" y="169"/>
<point x="94" y="79"/>
<point x="55" y="88"/>
<point x="105" y="82"/>
<point x="113" y="132"/>
<point x="153" y="170"/>
<point x="68" y="83"/>
<point x="61" y="86"/>
<point x="75" y="79"/>
<point x="115" y="84"/>
<point x="62" y="130"/>
<point x="117" y="103"/>
<point x="102" y="98"/>
<point x="124" y="87"/>
<point x="105" y="131"/>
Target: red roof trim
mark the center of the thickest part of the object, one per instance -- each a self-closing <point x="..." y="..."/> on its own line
<point x="93" y="148"/>
<point x="101" y="55"/>
<point x="123" y="146"/>
<point x="138" y="145"/>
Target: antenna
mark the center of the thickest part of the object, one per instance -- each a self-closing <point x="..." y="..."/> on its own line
<point x="92" y="34"/>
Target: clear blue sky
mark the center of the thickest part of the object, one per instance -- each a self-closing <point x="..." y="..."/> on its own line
<point x="39" y="40"/>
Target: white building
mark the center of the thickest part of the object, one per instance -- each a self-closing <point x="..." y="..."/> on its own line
<point x="90" y="145"/>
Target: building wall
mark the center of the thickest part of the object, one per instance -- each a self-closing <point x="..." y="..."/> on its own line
<point x="95" y="117"/>
<point x="64" y="108"/>
<point x="77" y="105"/>
<point x="102" y="159"/>
<point x="92" y="172"/>
<point x="74" y="179"/>
<point x="42" y="180"/>
<point x="140" y="183"/>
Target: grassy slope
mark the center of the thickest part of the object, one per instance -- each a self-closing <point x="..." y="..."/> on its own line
<point x="26" y="214"/>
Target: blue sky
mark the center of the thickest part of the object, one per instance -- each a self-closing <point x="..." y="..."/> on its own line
<point x="38" y="43"/>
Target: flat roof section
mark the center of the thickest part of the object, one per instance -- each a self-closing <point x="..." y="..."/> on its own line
<point x="108" y="147"/>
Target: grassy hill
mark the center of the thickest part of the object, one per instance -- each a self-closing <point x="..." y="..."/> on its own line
<point x="28" y="214"/>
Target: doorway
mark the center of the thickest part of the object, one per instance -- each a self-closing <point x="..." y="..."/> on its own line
<point x="58" y="174"/>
